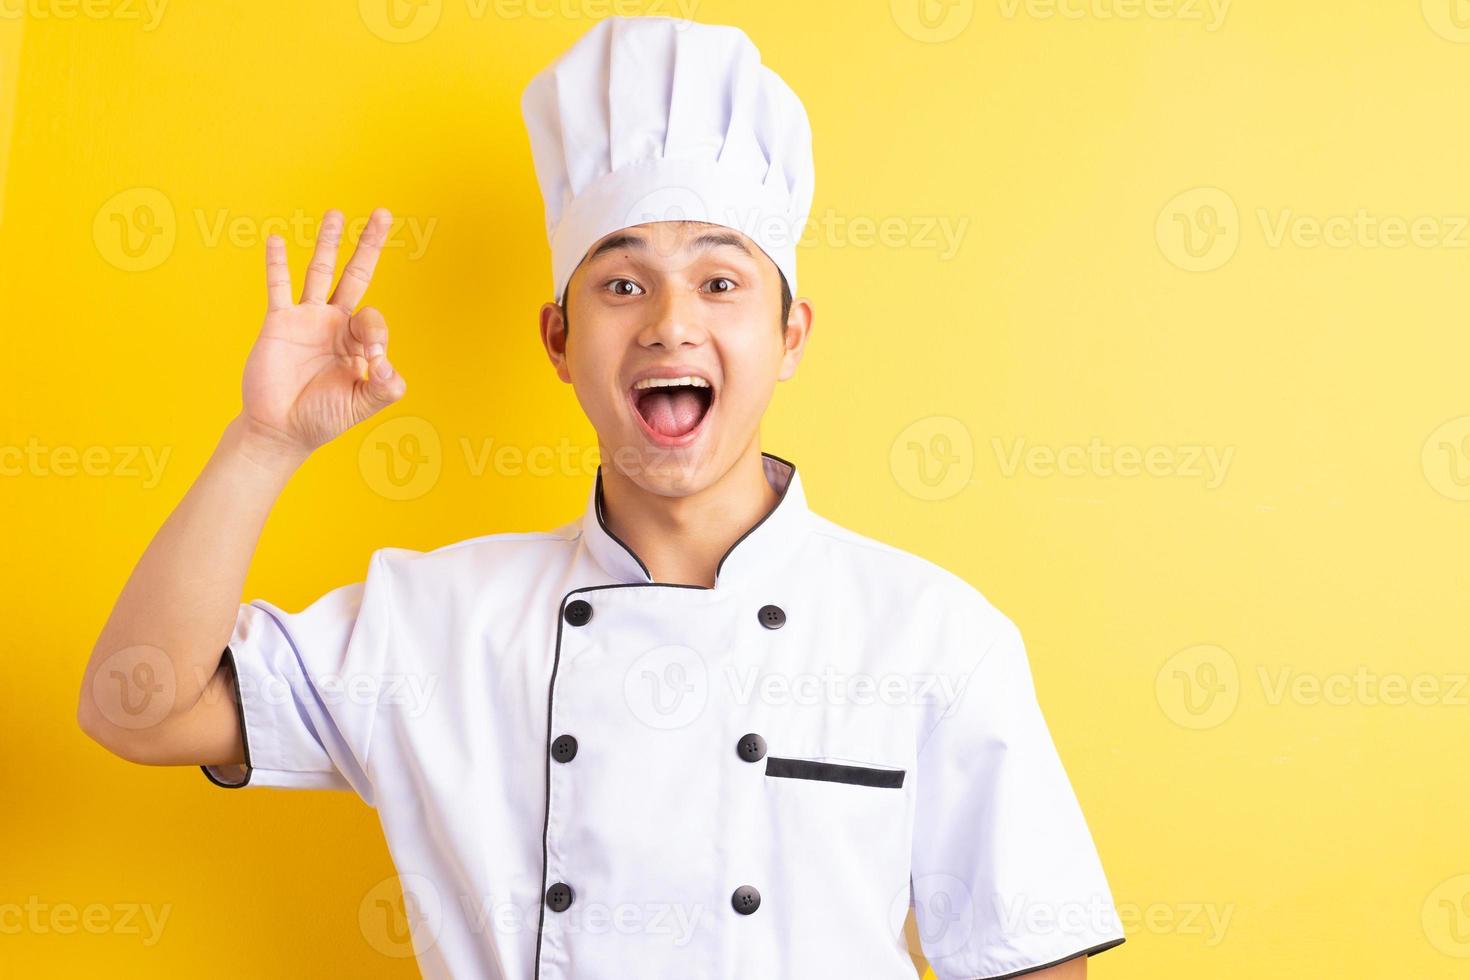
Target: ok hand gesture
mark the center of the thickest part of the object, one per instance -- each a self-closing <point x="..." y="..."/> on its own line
<point x="318" y="368"/>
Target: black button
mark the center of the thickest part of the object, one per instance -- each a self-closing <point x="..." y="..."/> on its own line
<point x="752" y="747"/>
<point x="772" y="617"/>
<point x="579" y="611"/>
<point x="559" y="896"/>
<point x="746" y="899"/>
<point x="564" y="748"/>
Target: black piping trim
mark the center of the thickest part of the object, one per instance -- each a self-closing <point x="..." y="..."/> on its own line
<point x="1101" y="947"/>
<point x="721" y="565"/>
<point x="832" y="772"/>
<point x="608" y="530"/>
<point x="550" y="705"/>
<point x="556" y="661"/>
<point x="229" y="657"/>
<point x="758" y="523"/>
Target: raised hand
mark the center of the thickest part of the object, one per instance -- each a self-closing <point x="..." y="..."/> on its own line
<point x="318" y="368"/>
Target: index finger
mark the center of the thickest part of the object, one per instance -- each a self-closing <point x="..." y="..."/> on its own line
<point x="359" y="270"/>
<point x="277" y="274"/>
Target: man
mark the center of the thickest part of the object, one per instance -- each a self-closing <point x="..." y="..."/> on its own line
<point x="699" y="731"/>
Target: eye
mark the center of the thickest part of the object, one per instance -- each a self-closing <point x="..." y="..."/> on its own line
<point x="619" y="287"/>
<point x="729" y="284"/>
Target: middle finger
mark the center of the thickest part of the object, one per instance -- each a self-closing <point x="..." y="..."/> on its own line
<point x="323" y="259"/>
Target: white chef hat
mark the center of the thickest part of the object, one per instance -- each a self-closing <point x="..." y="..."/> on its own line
<point x="652" y="118"/>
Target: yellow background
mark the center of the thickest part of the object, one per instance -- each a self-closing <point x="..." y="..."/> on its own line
<point x="1101" y="289"/>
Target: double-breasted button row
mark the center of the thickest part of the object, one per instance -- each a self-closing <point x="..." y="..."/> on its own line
<point x="745" y="900"/>
<point x="579" y="613"/>
<point x="751" y="748"/>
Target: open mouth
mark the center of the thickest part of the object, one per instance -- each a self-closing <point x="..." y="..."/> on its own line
<point x="672" y="409"/>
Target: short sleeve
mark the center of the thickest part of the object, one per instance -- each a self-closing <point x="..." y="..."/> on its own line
<point x="306" y="688"/>
<point x="1006" y="879"/>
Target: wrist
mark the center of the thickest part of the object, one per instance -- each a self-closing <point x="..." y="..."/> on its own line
<point x="267" y="452"/>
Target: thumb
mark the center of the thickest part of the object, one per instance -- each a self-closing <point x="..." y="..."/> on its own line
<point x="368" y="327"/>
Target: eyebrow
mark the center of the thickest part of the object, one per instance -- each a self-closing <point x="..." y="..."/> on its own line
<point x="703" y="243"/>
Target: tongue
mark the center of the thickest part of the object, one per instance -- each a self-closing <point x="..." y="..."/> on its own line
<point x="671" y="411"/>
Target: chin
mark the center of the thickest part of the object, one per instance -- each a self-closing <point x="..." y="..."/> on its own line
<point x="668" y="471"/>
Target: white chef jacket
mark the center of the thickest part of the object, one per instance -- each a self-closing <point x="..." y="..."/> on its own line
<point x="582" y="773"/>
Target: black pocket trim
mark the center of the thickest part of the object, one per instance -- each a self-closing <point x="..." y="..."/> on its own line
<point x="833" y="773"/>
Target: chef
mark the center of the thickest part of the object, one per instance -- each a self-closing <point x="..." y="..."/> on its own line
<point x="670" y="739"/>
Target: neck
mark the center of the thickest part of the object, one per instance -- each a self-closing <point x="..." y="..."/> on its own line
<point x="682" y="539"/>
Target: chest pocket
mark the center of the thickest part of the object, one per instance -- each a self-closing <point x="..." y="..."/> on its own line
<point x="833" y="772"/>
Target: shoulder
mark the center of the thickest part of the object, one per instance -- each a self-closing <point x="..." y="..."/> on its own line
<point x="925" y="588"/>
<point x="476" y="559"/>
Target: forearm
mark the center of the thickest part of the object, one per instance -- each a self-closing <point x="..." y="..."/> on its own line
<point x="175" y="615"/>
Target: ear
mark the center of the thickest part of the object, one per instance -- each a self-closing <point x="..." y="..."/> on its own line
<point x="799" y="326"/>
<point x="554" y="339"/>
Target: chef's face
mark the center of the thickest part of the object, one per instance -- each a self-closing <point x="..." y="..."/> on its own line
<point x="671" y="335"/>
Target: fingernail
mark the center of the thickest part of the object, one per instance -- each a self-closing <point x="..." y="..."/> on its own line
<point x="384" y="370"/>
<point x="374" y="350"/>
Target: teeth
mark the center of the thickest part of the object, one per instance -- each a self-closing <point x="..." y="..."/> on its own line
<point x="670" y="382"/>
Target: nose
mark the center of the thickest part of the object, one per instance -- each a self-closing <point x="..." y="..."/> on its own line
<point x="674" y="321"/>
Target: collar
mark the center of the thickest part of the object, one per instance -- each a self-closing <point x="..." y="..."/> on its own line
<point x="760" y="549"/>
